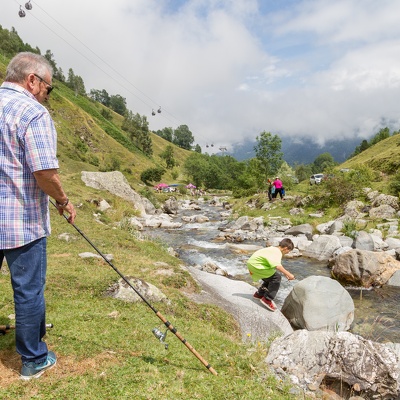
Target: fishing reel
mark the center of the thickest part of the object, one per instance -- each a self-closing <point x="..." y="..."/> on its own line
<point x="161" y="336"/>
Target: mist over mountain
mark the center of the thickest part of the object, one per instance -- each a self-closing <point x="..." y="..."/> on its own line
<point x="300" y="151"/>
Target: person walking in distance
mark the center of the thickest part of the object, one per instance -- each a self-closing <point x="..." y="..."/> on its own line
<point x="278" y="188"/>
<point x="263" y="265"/>
<point x="269" y="183"/>
<point x="28" y="176"/>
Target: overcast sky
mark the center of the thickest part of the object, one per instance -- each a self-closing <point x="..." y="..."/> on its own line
<point x="230" y="69"/>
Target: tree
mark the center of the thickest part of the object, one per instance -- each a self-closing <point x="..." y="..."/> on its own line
<point x="101" y="96"/>
<point x="118" y="104"/>
<point x="11" y="43"/>
<point x="197" y="148"/>
<point x="57" y="72"/>
<point x="384" y="133"/>
<point x="59" y="75"/>
<point x="268" y="153"/>
<point x="183" y="137"/>
<point x="138" y="128"/>
<point x="168" y="156"/>
<point x="195" y="167"/>
<point x="249" y="179"/>
<point x="152" y="175"/>
<point x="302" y="171"/>
<point x="75" y="82"/>
<point x="166" y="133"/>
<point x="322" y="162"/>
<point x="286" y="175"/>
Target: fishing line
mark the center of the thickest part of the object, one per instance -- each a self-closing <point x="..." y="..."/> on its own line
<point x="155" y="331"/>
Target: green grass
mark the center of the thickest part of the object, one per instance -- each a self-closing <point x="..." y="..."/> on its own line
<point x="105" y="346"/>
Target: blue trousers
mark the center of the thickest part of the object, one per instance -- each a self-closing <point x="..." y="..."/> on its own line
<point x="28" y="265"/>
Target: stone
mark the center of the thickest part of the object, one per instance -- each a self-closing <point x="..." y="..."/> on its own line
<point x="88" y="254"/>
<point x="364" y="268"/>
<point x="103" y="205"/>
<point x="385" y="199"/>
<point x="135" y="223"/>
<point x="353" y="208"/>
<point x="322" y="248"/>
<point x="393" y="243"/>
<point x="122" y="291"/>
<point x="364" y="241"/>
<point x="115" y="183"/>
<point x="394" y="279"/>
<point x="384" y="211"/>
<point x="340" y="357"/>
<point x="319" y="303"/>
<point x="171" y="206"/>
<point x="303" y="229"/>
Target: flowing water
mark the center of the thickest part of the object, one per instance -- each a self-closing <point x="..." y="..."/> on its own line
<point x="376" y="311"/>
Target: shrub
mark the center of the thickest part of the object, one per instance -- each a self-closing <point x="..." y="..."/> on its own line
<point x="152" y="174"/>
<point x="350" y="228"/>
<point x="342" y="188"/>
<point x="394" y="186"/>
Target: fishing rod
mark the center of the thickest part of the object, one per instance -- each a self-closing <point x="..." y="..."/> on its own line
<point x="5" y="328"/>
<point x="159" y="335"/>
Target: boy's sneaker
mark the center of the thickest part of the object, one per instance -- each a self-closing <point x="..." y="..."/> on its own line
<point x="268" y="303"/>
<point x="32" y="370"/>
<point x="257" y="295"/>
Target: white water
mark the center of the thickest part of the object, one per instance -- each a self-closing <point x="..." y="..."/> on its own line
<point x="377" y="312"/>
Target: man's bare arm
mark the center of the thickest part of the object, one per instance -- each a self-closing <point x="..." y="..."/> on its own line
<point x="49" y="181"/>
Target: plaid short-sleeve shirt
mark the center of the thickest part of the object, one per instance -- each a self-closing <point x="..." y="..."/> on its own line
<point x="28" y="143"/>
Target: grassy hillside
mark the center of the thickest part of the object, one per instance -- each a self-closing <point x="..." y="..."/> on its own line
<point x="88" y="141"/>
<point x="383" y="156"/>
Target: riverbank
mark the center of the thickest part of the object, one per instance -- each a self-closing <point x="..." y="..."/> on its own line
<point x="256" y="322"/>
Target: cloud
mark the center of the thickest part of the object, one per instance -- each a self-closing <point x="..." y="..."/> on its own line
<point x="231" y="69"/>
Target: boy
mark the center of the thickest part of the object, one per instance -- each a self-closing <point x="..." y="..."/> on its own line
<point x="263" y="265"/>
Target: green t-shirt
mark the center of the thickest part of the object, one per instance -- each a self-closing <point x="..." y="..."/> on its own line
<point x="263" y="263"/>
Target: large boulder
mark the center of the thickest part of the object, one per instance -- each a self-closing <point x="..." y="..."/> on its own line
<point x="319" y="303"/>
<point x="336" y="357"/>
<point x="160" y="221"/>
<point x="195" y="218"/>
<point x="395" y="279"/>
<point x="393" y="243"/>
<point x="300" y="230"/>
<point x="385" y="199"/>
<point x="364" y="268"/>
<point x="384" y="211"/>
<point x="116" y="183"/>
<point x="353" y="209"/>
<point x="323" y="247"/>
<point x="123" y="291"/>
<point x="364" y="241"/>
<point x="171" y="206"/>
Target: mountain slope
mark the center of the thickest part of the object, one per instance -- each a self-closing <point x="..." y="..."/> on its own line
<point x="301" y="151"/>
<point x="384" y="156"/>
<point x="89" y="141"/>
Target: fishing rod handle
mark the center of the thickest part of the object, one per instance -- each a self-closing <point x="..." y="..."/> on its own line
<point x="186" y="343"/>
<point x="9" y="327"/>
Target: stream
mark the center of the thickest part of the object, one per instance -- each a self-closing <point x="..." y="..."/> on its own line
<point x="376" y="310"/>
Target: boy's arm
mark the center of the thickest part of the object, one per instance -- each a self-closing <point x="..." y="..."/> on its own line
<point x="285" y="272"/>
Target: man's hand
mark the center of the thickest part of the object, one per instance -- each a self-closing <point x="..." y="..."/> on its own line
<point x="69" y="208"/>
<point x="290" y="277"/>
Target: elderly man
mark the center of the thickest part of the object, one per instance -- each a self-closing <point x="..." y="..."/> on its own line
<point x="28" y="176"/>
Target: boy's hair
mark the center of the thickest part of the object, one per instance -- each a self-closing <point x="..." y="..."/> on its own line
<point x="286" y="243"/>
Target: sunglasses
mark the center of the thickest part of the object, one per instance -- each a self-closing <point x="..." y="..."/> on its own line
<point x="49" y="87"/>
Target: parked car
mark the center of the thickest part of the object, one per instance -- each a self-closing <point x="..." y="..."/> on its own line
<point x="316" y="179"/>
